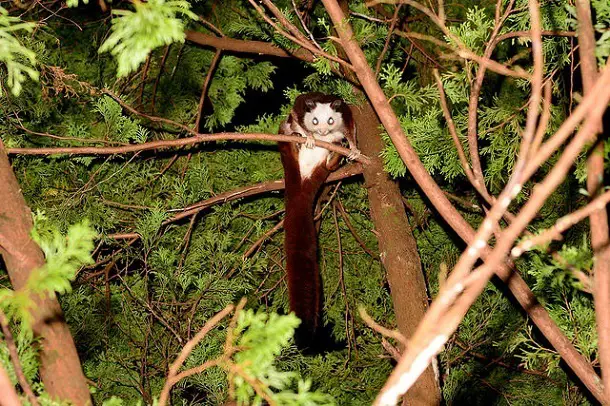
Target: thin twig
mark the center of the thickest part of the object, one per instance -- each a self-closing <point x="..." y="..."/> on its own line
<point x="154" y="119"/>
<point x="305" y="44"/>
<point x="181" y="142"/>
<point x="187" y="349"/>
<point x="211" y="26"/>
<point x="178" y="58"/>
<point x="350" y="340"/>
<point x="64" y="138"/>
<point x="158" y="78"/>
<point x="473" y="106"/>
<point x="144" y="77"/>
<point x="151" y="310"/>
<point x="384" y="331"/>
<point x="12" y="349"/>
<point x="204" y="90"/>
<point x="263" y="238"/>
<point x="455" y="137"/>
<point x="386" y="45"/>
<point x="561" y="225"/>
<point x="284" y="21"/>
<point x="304" y="25"/>
<point x="351" y="228"/>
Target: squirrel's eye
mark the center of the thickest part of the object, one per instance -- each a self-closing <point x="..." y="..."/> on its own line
<point x="331" y="121"/>
<point x="315" y="121"/>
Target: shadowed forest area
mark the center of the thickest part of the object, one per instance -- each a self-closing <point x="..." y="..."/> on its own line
<point x="464" y="255"/>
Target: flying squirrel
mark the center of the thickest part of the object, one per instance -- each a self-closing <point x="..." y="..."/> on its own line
<point x="306" y="167"/>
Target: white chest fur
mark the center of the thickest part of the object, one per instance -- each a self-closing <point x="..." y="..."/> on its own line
<point x="310" y="158"/>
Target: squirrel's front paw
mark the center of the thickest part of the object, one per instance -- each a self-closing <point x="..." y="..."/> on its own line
<point x="310" y="142"/>
<point x="354" y="154"/>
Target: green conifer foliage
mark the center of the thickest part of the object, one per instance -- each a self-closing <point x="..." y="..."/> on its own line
<point x="133" y="302"/>
<point x="16" y="59"/>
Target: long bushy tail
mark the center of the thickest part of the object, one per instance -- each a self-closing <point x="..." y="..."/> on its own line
<point x="301" y="246"/>
<point x="304" y="284"/>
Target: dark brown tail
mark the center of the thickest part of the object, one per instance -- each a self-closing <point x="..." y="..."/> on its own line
<point x="300" y="244"/>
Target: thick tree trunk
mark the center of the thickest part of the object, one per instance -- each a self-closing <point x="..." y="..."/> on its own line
<point x="397" y="247"/>
<point x="9" y="396"/>
<point x="595" y="185"/>
<point x="60" y="368"/>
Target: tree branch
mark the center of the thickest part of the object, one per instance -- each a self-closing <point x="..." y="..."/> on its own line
<point x="186" y="351"/>
<point x="517" y="286"/>
<point x="301" y="40"/>
<point x="248" y="47"/>
<point x="180" y="142"/>
<point x="204" y="89"/>
<point x="12" y="349"/>
<point x="473" y="106"/>
<point x="9" y="395"/>
<point x="463" y="51"/>
<point x="253" y="190"/>
<point x="561" y="225"/>
<point x="600" y="241"/>
<point x="60" y="369"/>
<point x="252" y="47"/>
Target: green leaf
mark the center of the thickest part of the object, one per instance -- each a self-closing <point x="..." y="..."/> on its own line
<point x="18" y="60"/>
<point x="135" y="34"/>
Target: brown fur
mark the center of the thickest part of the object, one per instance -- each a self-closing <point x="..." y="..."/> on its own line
<point x="300" y="243"/>
<point x="307" y="101"/>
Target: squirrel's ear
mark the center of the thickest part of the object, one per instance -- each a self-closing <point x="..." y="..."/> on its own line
<point x="310" y="104"/>
<point x="336" y="104"/>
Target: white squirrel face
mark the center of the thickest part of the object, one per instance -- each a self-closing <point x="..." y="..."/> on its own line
<point x="323" y="119"/>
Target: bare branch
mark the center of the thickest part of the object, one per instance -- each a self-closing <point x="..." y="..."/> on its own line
<point x="304" y="25"/>
<point x="12" y="349"/>
<point x="395" y="334"/>
<point x="462" y="51"/>
<point x="204" y="90"/>
<point x="252" y="190"/>
<point x="300" y="41"/>
<point x="388" y="39"/>
<point x="262" y="239"/>
<point x="473" y="106"/>
<point x="158" y="78"/>
<point x="247" y="47"/>
<point x="426" y="349"/>
<point x="456" y="140"/>
<point x="180" y="142"/>
<point x="600" y="240"/>
<point x="565" y="222"/>
<point x="186" y="351"/>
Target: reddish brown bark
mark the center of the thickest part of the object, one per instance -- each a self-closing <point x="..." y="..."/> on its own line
<point x="9" y="396"/>
<point x="60" y="368"/>
<point x="397" y="247"/>
<point x="249" y="47"/>
<point x="180" y="142"/>
<point x="595" y="179"/>
<point x="516" y="284"/>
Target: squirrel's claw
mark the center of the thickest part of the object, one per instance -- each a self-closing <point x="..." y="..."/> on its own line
<point x="310" y="142"/>
<point x="354" y="154"/>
